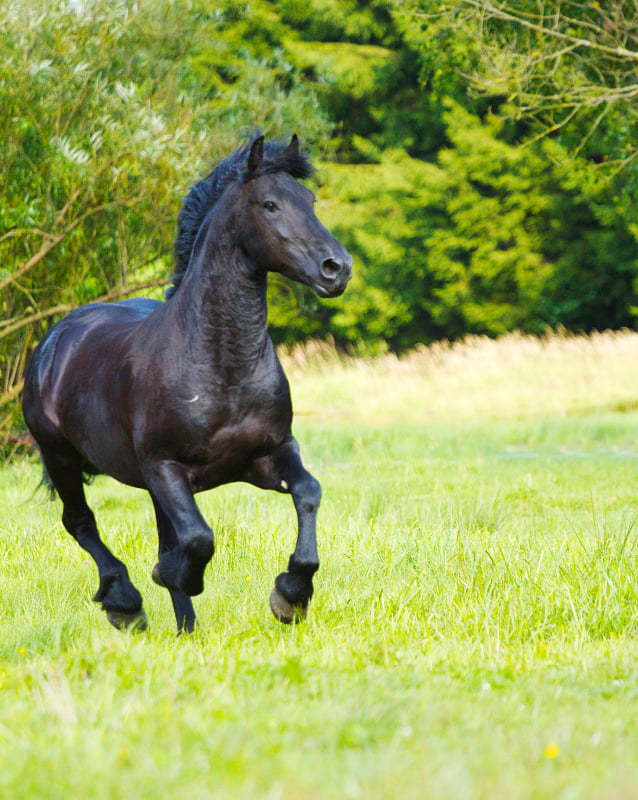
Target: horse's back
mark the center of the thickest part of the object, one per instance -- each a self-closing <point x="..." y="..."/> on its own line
<point x="120" y="315"/>
<point x="113" y="320"/>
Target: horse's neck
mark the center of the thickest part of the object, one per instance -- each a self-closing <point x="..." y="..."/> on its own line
<point x="222" y="305"/>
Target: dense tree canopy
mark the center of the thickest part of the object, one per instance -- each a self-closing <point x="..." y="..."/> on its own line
<point x="470" y="208"/>
<point x="477" y="157"/>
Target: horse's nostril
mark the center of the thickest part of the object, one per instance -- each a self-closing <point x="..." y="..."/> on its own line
<point x="330" y="269"/>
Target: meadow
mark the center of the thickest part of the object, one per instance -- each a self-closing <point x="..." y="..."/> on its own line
<point x="473" y="630"/>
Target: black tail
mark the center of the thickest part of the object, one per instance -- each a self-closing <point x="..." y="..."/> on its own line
<point x="47" y="483"/>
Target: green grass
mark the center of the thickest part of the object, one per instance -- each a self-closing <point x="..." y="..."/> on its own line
<point x="473" y="631"/>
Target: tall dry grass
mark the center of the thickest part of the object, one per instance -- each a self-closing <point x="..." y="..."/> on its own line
<point x="514" y="377"/>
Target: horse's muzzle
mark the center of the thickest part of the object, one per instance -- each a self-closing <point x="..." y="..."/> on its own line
<point x="335" y="274"/>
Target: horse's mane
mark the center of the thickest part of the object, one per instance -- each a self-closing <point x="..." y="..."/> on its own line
<point x="278" y="157"/>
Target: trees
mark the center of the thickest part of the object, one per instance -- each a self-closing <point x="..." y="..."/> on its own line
<point x="563" y="77"/>
<point x="561" y="63"/>
<point x="566" y="70"/>
<point x="466" y="211"/>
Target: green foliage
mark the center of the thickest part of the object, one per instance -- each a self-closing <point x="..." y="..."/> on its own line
<point x="530" y="239"/>
<point x="354" y="21"/>
<point x="567" y="68"/>
<point x="491" y="238"/>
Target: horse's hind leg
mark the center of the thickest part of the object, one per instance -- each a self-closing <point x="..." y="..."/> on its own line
<point x="182" y="604"/>
<point x="120" y="599"/>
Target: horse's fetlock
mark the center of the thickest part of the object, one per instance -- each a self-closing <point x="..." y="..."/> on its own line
<point x="117" y="593"/>
<point x="296" y="588"/>
<point x="182" y="569"/>
<point x="200" y="548"/>
<point x="302" y="567"/>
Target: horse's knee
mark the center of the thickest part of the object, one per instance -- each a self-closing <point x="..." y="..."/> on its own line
<point x="307" y="495"/>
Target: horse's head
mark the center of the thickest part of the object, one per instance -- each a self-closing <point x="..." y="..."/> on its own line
<point x="279" y="231"/>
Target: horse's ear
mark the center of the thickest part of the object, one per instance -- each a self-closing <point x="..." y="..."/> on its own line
<point x="256" y="155"/>
<point x="293" y="147"/>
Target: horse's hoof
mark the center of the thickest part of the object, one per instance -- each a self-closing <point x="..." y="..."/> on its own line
<point x="284" y="611"/>
<point x="155" y="574"/>
<point x="133" y="623"/>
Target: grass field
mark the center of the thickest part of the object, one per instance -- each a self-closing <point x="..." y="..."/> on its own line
<point x="473" y="631"/>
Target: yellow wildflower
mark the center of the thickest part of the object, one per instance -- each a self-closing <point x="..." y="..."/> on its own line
<point x="551" y="750"/>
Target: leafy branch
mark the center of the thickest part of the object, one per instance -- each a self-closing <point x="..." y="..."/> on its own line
<point x="541" y="24"/>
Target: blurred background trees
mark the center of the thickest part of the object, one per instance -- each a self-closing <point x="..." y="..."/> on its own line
<point x="477" y="157"/>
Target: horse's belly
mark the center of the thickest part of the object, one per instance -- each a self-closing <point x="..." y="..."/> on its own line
<point x="114" y="457"/>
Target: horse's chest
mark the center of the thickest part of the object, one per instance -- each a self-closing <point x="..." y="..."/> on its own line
<point x="239" y="439"/>
<point x="235" y="437"/>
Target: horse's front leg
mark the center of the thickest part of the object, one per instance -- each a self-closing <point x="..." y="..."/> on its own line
<point x="180" y="569"/>
<point x="283" y="471"/>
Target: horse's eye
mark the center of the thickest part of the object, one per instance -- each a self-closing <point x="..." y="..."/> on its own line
<point x="269" y="205"/>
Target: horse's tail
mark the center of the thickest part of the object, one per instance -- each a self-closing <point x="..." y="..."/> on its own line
<point x="46" y="482"/>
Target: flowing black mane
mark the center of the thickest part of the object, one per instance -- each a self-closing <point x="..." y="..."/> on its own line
<point x="278" y="157"/>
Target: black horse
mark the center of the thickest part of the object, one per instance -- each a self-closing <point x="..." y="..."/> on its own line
<point x="182" y="396"/>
